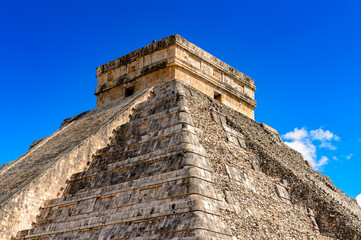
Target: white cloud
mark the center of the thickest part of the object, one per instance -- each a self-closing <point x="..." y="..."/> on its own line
<point x="302" y="141"/>
<point x="349" y="156"/>
<point x="327" y="145"/>
<point x="358" y="199"/>
<point x="321" y="162"/>
<point x="297" y="134"/>
<point x="322" y="135"/>
<point x="335" y="158"/>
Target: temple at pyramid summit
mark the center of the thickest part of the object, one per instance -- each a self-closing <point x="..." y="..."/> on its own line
<point x="171" y="151"/>
<point x="175" y="58"/>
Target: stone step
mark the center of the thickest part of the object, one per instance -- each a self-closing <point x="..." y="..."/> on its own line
<point x="131" y="151"/>
<point x="144" y="209"/>
<point x="110" y="232"/>
<point x="131" y="138"/>
<point x="155" y="106"/>
<point x="186" y="172"/>
<point x="178" y="114"/>
<point x="93" y="208"/>
<point x="153" y="110"/>
<point x="168" y="227"/>
<point x="130" y="197"/>
<point x="188" y="143"/>
<point x="185" y="158"/>
<point x="152" y="137"/>
<point x="173" y="221"/>
<point x="135" y="171"/>
<point x="144" y="129"/>
<point x="174" y="90"/>
<point x="173" y="138"/>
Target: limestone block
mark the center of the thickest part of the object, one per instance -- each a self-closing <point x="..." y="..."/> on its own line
<point x="83" y="207"/>
<point x="242" y="142"/>
<point x="282" y="192"/>
<point x="255" y="166"/>
<point x="271" y="131"/>
<point x="308" y="164"/>
<point x="228" y="197"/>
<point x="312" y="218"/>
<point x="223" y="120"/>
<point x="235" y="174"/>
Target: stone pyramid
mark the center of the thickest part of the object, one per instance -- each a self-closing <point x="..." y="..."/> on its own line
<point x="170" y="159"/>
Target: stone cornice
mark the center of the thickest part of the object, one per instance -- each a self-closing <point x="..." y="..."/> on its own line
<point x="215" y="62"/>
<point x="188" y="46"/>
<point x="130" y="57"/>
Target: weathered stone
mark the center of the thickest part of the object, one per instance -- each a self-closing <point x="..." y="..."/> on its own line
<point x="308" y="164"/>
<point x="228" y="196"/>
<point x="282" y="192"/>
<point x="235" y="174"/>
<point x="157" y="165"/>
<point x="271" y="131"/>
<point x="313" y="219"/>
<point x="255" y="166"/>
<point x="242" y="142"/>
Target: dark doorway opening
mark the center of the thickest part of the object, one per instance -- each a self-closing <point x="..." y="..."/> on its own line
<point x="218" y="96"/>
<point x="129" y="91"/>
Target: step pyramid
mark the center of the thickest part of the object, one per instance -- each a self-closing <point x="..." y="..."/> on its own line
<point x="187" y="167"/>
<point x="172" y="151"/>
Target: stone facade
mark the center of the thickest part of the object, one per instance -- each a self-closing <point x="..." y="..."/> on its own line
<point x="176" y="58"/>
<point x="168" y="162"/>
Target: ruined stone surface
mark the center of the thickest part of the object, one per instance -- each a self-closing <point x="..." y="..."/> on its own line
<point x="171" y="172"/>
<point x="182" y="158"/>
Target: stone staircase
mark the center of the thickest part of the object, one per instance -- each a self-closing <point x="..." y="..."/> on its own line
<point x="153" y="181"/>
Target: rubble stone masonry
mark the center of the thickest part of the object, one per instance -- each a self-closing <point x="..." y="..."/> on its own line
<point x="170" y="152"/>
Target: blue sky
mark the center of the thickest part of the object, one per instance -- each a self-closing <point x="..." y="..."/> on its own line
<point x="305" y="57"/>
